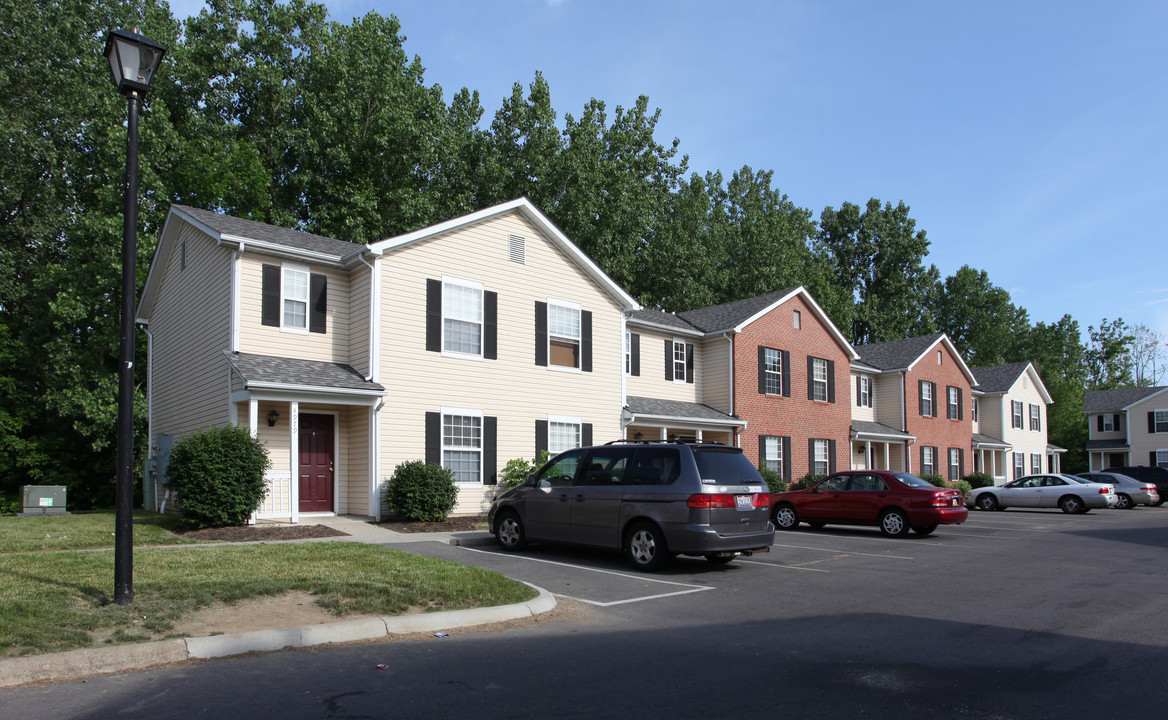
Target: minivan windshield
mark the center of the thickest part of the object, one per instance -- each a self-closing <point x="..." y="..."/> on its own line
<point x="725" y="466"/>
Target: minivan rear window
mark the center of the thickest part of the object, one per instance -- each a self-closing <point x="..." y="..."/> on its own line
<point x="725" y="466"/>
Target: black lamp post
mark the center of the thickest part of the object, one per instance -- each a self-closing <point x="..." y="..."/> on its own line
<point x="133" y="58"/>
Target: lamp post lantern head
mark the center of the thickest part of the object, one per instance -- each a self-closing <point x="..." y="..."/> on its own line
<point x="133" y="58"/>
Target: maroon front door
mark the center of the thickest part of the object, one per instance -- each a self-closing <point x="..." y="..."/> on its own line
<point x="316" y="463"/>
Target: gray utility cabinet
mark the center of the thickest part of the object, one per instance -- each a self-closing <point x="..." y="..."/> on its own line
<point x="43" y="500"/>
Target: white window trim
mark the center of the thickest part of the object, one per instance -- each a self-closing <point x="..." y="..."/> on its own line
<point x="679" y="343"/>
<point x="975" y="409"/>
<point x="565" y="420"/>
<point x="628" y="353"/>
<point x="815" y="381"/>
<point x="470" y="285"/>
<point x="285" y="268"/>
<point x="815" y="461"/>
<point x="1108" y="422"/>
<point x="865" y="399"/>
<point x="777" y="457"/>
<point x="1017" y="416"/>
<point x="1156" y="422"/>
<point x="930" y="463"/>
<point x="797" y="320"/>
<point x="1158" y="452"/>
<point x="768" y="374"/>
<point x="579" y="340"/>
<point x="1035" y="417"/>
<point x="954" y="403"/>
<point x="927" y="396"/>
<point x="442" y="441"/>
<point x="954" y="464"/>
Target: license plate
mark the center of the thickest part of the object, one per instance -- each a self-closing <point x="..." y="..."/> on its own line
<point x="745" y="502"/>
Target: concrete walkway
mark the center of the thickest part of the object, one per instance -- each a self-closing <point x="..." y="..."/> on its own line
<point x="119" y="658"/>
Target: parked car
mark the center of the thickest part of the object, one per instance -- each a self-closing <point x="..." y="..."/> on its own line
<point x="1066" y="492"/>
<point x="653" y="500"/>
<point x="893" y="501"/>
<point x="1147" y="473"/>
<point x="1131" y="492"/>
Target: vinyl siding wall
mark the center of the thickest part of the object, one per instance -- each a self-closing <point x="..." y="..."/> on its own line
<point x="652" y="383"/>
<point x="716" y="370"/>
<point x="864" y="413"/>
<point x="257" y="338"/>
<point x="1142" y="441"/>
<point x="512" y="388"/>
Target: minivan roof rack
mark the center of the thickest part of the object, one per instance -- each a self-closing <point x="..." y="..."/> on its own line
<point x="674" y="441"/>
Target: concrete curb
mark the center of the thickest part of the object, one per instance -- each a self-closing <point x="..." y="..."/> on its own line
<point x="120" y="658"/>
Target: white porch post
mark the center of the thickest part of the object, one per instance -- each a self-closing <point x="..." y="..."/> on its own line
<point x="253" y="417"/>
<point x="868" y="455"/>
<point x="294" y="453"/>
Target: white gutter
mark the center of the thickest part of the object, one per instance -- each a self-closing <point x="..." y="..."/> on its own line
<point x="374" y="317"/>
<point x="730" y="340"/>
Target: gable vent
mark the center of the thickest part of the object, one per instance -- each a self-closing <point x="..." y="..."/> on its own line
<point x="517" y="249"/>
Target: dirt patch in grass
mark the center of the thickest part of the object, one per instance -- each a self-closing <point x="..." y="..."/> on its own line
<point x="260" y="533"/>
<point x="462" y="523"/>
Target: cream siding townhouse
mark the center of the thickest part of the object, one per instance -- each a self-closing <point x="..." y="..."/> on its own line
<point x="1127" y="426"/>
<point x="468" y="343"/>
<point x="1010" y="423"/>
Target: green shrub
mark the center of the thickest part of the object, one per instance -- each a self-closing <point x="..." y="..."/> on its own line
<point x="517" y="470"/>
<point x="775" y="482"/>
<point x="422" y="492"/>
<point x="977" y="480"/>
<point x="963" y="486"/>
<point x="936" y="480"/>
<point x="219" y="476"/>
<point x="807" y="481"/>
<point x="9" y="506"/>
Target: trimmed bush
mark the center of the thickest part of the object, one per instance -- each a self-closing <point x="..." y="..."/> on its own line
<point x="963" y="486"/>
<point x="422" y="492"/>
<point x="936" y="480"/>
<point x="807" y="481"/>
<point x="775" y="482"/>
<point x="219" y="476"/>
<point x="517" y="470"/>
<point x="977" y="480"/>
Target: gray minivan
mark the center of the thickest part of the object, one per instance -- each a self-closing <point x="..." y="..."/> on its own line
<point x="651" y="499"/>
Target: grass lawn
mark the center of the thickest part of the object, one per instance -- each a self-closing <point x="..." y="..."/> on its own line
<point x="53" y="601"/>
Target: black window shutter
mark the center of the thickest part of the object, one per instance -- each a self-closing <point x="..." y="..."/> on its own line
<point x="960" y="463"/>
<point x="541" y="438"/>
<point x="669" y="360"/>
<point x="586" y="341"/>
<point x="859" y="396"/>
<point x="1118" y="422"/>
<point x="586" y="434"/>
<point x="635" y="347"/>
<point x="811" y="455"/>
<point x="434" y="315"/>
<point x="831" y="382"/>
<point x="831" y="456"/>
<point x="960" y="405"/>
<point x="922" y="459"/>
<point x="270" y="294"/>
<point x="761" y="370"/>
<point x="689" y="362"/>
<point x="491" y="325"/>
<point x="490" y="450"/>
<point x="933" y="393"/>
<point x="1152" y="422"/>
<point x="317" y="303"/>
<point x="1100" y="423"/>
<point x="787" y="458"/>
<point x="810" y="378"/>
<point x="762" y="450"/>
<point x="1152" y="459"/>
<point x="541" y="334"/>
<point x="433" y="438"/>
<point x="786" y="373"/>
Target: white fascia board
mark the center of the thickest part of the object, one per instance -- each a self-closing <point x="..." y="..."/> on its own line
<point x="670" y="329"/>
<point x="693" y="422"/>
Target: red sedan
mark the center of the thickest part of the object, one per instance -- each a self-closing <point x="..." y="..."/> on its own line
<point x="893" y="501"/>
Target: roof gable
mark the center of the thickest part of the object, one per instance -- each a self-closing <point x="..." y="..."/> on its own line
<point x="1000" y="379"/>
<point x="904" y="354"/>
<point x="1097" y="401"/>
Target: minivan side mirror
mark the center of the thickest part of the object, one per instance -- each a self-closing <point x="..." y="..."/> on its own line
<point x="530" y="481"/>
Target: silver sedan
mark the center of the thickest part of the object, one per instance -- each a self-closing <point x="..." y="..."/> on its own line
<point x="1068" y="493"/>
<point x="1131" y="492"/>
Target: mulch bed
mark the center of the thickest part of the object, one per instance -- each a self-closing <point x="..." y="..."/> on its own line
<point x="450" y="524"/>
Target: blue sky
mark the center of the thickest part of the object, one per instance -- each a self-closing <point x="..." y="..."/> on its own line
<point x="1028" y="138"/>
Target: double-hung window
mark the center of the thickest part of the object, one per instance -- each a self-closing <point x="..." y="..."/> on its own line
<point x="954" y="464"/>
<point x="928" y="462"/>
<point x="772" y="452"/>
<point x="1035" y="417"/>
<point x="819" y="379"/>
<point x="1019" y="465"/>
<point x="1159" y="421"/>
<point x="1035" y="463"/>
<point x="563" y="335"/>
<point x="679" y="358"/>
<point x="563" y="433"/>
<point x="1016" y="414"/>
<point x="820" y="461"/>
<point x="927" y="399"/>
<point x="1107" y="423"/>
<point x="1162" y="458"/>
<point x="864" y="391"/>
<point x="954" y="403"/>
<point x="976" y="410"/>
<point x="294" y="300"/>
<point x="773" y="371"/>
<point x="462" y="317"/>
<point x="462" y="445"/>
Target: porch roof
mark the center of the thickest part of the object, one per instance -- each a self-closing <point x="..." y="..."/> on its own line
<point x="1108" y="445"/>
<point x="265" y="372"/>
<point x="645" y="409"/>
<point x="867" y="430"/>
<point x="987" y="442"/>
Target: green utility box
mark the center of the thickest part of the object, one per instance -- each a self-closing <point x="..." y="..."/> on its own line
<point x="43" y="500"/>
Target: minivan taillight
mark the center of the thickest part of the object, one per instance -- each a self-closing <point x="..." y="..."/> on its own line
<point x="704" y="501"/>
<point x="762" y="500"/>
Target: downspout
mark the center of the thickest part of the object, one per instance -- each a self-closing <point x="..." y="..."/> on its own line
<point x="374" y="318"/>
<point x="730" y="340"/>
<point x="150" y="408"/>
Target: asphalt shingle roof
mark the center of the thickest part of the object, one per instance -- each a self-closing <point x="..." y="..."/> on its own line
<point x="998" y="378"/>
<point x="875" y="428"/>
<point x="674" y="408"/>
<point x="896" y="354"/>
<point x="1096" y="401"/>
<point x="227" y="225"/>
<point x="731" y="314"/>
<point x="265" y="369"/>
<point x="660" y="317"/>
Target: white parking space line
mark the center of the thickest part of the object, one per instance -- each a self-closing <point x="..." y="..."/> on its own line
<point x="783" y="567"/>
<point x="847" y="552"/>
<point x="689" y="588"/>
<point x="980" y="535"/>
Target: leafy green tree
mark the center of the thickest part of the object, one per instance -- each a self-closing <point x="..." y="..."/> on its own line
<point x="1059" y="356"/>
<point x="1108" y="355"/>
<point x="877" y="255"/>
<point x="978" y="316"/>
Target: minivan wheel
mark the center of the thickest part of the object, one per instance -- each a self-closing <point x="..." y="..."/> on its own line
<point x="894" y="523"/>
<point x="1070" y="504"/>
<point x="509" y="531"/>
<point x="785" y="517"/>
<point x="645" y="547"/>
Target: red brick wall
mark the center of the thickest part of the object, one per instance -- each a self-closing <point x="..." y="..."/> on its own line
<point x="796" y="416"/>
<point x="939" y="432"/>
